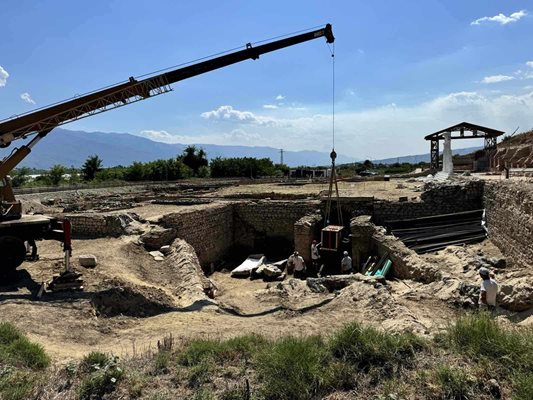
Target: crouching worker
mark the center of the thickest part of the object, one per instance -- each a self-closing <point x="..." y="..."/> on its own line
<point x="296" y="264"/>
<point x="346" y="264"/>
<point x="488" y="290"/>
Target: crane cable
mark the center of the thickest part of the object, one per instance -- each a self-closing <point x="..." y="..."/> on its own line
<point x="333" y="155"/>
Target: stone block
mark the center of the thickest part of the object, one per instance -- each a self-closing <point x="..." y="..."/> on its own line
<point x="88" y="260"/>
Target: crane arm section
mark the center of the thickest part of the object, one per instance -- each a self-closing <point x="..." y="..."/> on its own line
<point x="46" y="119"/>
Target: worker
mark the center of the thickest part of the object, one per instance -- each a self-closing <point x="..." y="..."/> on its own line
<point x="296" y="263"/>
<point x="488" y="290"/>
<point x="346" y="264"/>
<point x="315" y="255"/>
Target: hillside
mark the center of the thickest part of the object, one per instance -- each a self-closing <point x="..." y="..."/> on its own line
<point x="415" y="159"/>
<point x="71" y="148"/>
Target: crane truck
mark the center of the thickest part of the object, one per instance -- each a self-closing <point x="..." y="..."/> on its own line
<point x="18" y="229"/>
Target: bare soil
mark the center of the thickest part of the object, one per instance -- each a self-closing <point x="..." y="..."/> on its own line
<point x="130" y="300"/>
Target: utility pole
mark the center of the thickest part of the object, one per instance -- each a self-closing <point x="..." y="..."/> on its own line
<point x="281" y="156"/>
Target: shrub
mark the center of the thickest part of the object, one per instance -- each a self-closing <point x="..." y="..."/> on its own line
<point x="292" y="368"/>
<point x="103" y="379"/>
<point x="368" y="348"/>
<point x="93" y="361"/>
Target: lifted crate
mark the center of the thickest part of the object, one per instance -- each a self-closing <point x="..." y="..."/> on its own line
<point x="332" y="237"/>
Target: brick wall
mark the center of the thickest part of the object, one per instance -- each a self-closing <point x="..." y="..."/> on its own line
<point x="209" y="230"/>
<point x="509" y="213"/>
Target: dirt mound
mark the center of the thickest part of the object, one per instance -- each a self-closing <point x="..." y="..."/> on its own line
<point x="377" y="304"/>
<point x="191" y="285"/>
<point x="120" y="298"/>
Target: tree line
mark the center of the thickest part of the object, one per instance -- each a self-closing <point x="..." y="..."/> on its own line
<point x="192" y="162"/>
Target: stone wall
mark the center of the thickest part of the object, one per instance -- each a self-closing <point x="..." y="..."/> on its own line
<point x="371" y="240"/>
<point x="209" y="230"/>
<point x="509" y="214"/>
<point x="306" y="229"/>
<point x="438" y="198"/>
<point x="92" y="226"/>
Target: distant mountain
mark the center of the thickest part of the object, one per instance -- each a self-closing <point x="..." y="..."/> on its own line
<point x="415" y="159"/>
<point x="71" y="148"/>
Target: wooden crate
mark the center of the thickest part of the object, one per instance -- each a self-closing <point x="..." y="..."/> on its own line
<point x="331" y="237"/>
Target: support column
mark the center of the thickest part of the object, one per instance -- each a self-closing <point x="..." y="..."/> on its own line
<point x="434" y="154"/>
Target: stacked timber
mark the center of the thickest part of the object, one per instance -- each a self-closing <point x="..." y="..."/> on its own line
<point x="437" y="232"/>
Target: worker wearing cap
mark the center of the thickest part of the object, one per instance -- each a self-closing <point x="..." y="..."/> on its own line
<point x="315" y="255"/>
<point x="488" y="290"/>
<point x="346" y="264"/>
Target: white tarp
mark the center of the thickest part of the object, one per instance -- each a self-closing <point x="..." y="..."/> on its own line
<point x="251" y="263"/>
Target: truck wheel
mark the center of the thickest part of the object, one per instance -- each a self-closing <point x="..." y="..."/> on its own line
<point x="13" y="253"/>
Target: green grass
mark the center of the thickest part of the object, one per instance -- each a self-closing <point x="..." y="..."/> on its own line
<point x="454" y="383"/>
<point x="18" y="351"/>
<point x="292" y="368"/>
<point x="480" y="335"/>
<point x="231" y="350"/>
<point x="17" y="385"/>
<point x="161" y="362"/>
<point x="523" y="386"/>
<point x="368" y="349"/>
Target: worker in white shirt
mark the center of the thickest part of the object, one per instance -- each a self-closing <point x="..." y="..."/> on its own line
<point x="346" y="264"/>
<point x="315" y="256"/>
<point x="488" y="290"/>
<point x="296" y="263"/>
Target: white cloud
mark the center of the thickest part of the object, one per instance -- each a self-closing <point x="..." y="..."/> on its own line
<point x="530" y="64"/>
<point x="3" y="76"/>
<point x="158" y="136"/>
<point x="168" y="137"/>
<point x="379" y="132"/>
<point x="280" y="97"/>
<point x="27" y="98"/>
<point x="228" y="113"/>
<point x="239" y="135"/>
<point x="497" y="78"/>
<point x="270" y="106"/>
<point x="501" y="19"/>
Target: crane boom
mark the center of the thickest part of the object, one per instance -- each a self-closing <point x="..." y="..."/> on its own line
<point x="17" y="229"/>
<point x="44" y="120"/>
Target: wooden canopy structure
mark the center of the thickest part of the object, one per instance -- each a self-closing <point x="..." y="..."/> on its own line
<point x="464" y="130"/>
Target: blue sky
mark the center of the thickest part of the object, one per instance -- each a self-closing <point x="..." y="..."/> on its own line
<point x="403" y="69"/>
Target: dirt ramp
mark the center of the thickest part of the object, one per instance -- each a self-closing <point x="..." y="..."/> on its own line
<point x="120" y="298"/>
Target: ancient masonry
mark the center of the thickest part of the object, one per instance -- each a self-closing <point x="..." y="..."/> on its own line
<point x="218" y="228"/>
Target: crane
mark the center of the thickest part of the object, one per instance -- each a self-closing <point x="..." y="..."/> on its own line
<point x="16" y="229"/>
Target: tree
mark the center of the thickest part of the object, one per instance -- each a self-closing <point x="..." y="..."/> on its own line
<point x="20" y="176"/>
<point x="194" y="158"/>
<point x="92" y="165"/>
<point x="56" y="174"/>
<point x="368" y="164"/>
